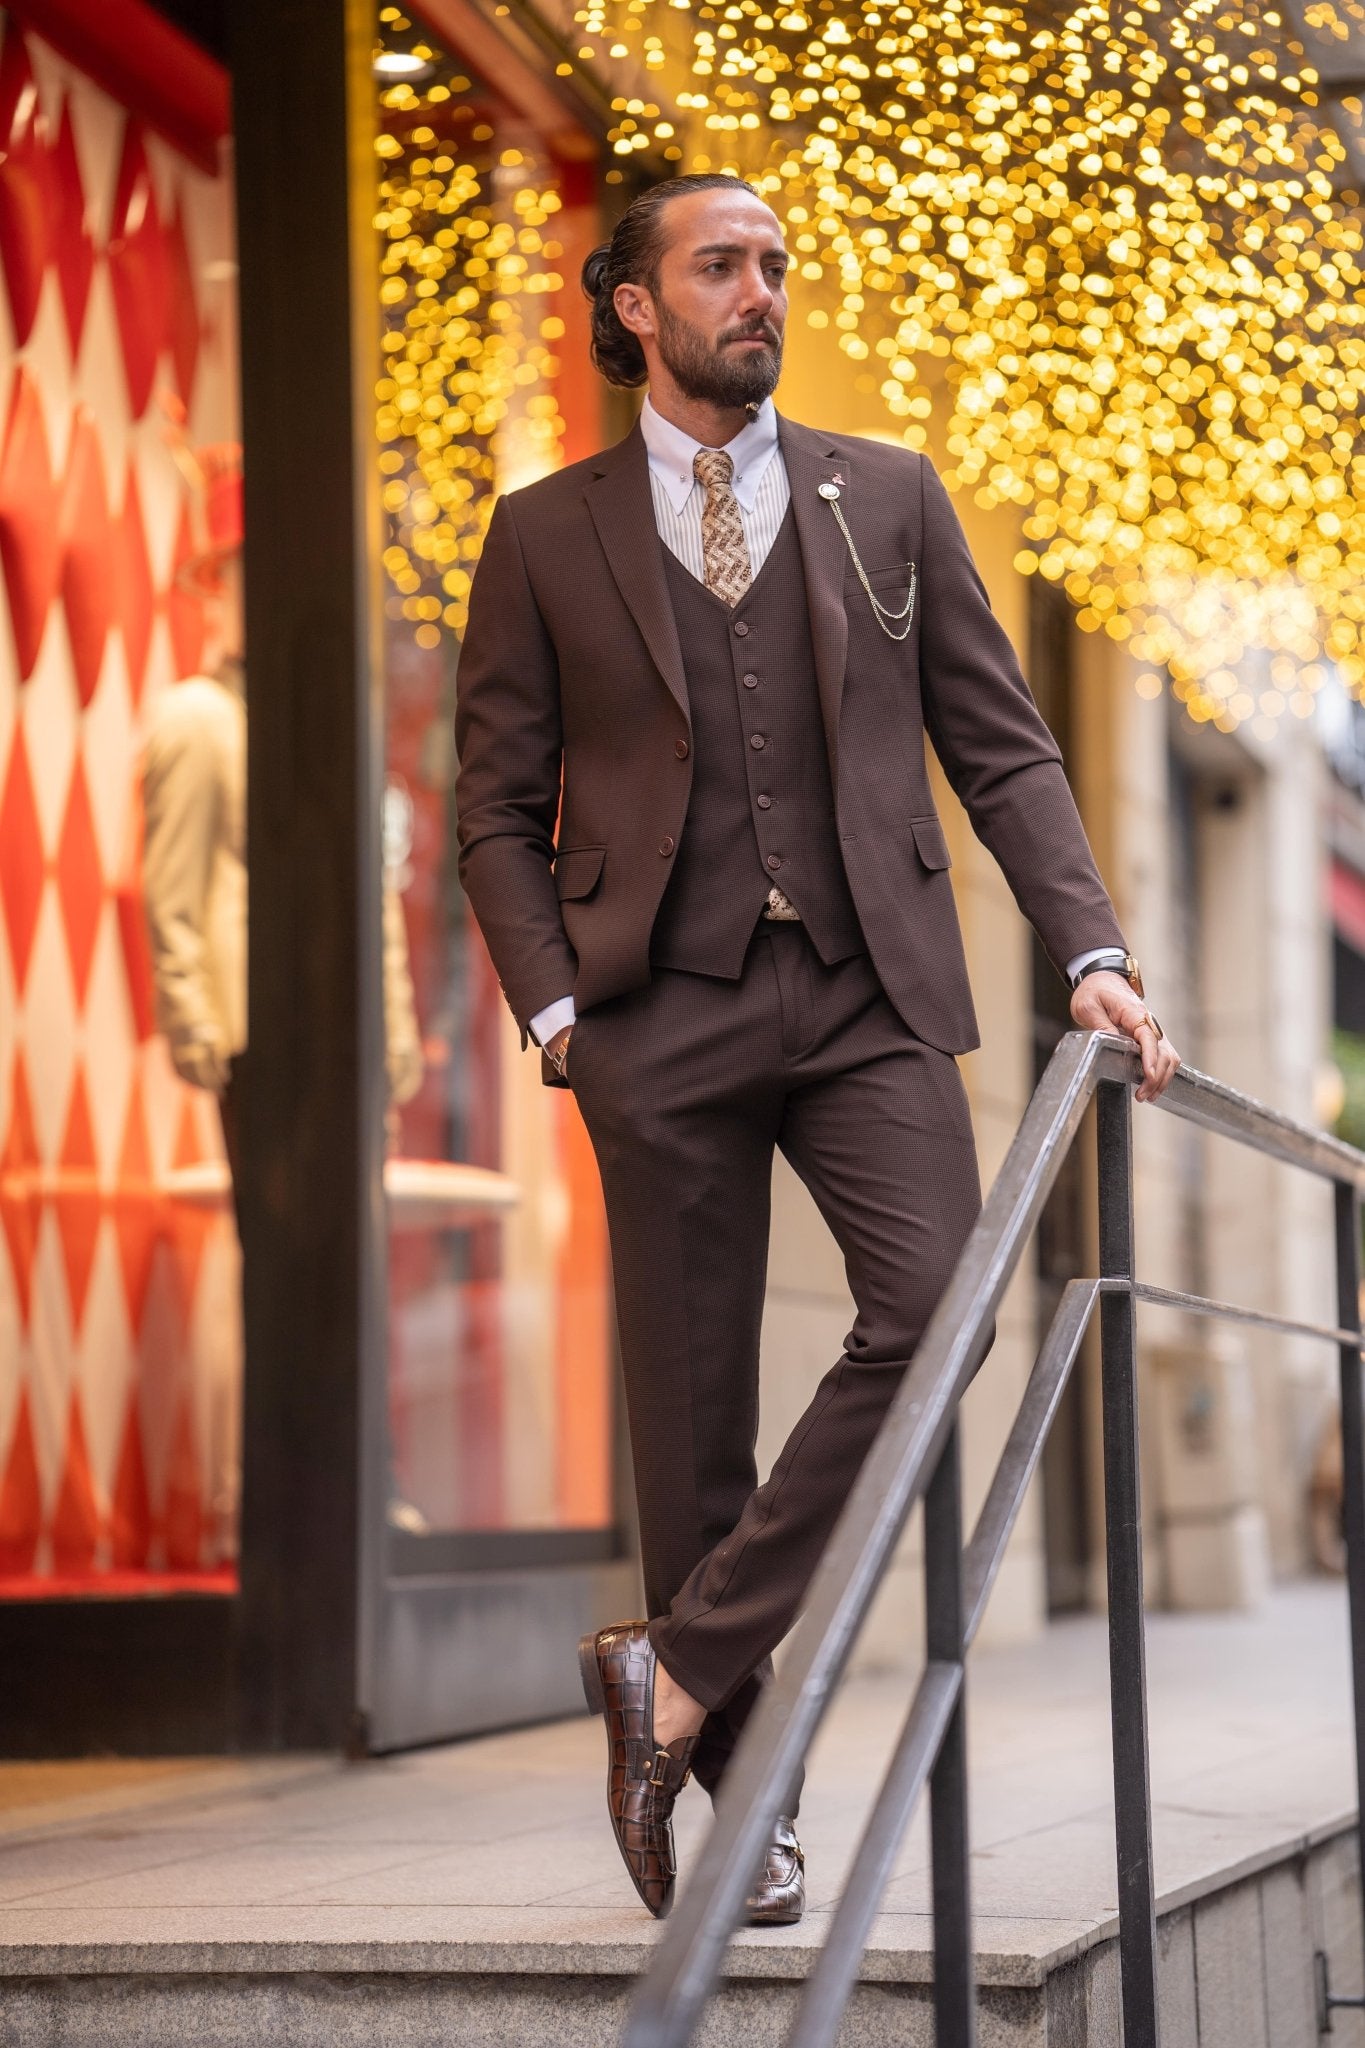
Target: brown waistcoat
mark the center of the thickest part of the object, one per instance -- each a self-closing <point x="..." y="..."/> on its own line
<point x="761" y="807"/>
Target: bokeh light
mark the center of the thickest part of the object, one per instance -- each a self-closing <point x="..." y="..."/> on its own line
<point x="1118" y="248"/>
<point x="466" y="402"/>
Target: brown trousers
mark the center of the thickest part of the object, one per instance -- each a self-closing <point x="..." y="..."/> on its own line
<point x="685" y="1087"/>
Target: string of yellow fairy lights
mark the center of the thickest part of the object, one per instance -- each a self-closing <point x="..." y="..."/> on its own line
<point x="1124" y="238"/>
<point x="466" y="398"/>
<point x="1335" y="19"/>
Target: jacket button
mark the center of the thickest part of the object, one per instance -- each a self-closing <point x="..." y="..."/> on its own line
<point x="741" y="628"/>
<point x="665" y="846"/>
<point x="774" y="860"/>
<point x="757" y="742"/>
<point x="751" y="682"/>
<point x="765" y="803"/>
<point x="681" y="749"/>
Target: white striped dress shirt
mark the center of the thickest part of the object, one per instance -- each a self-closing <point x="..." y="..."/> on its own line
<point x="760" y="486"/>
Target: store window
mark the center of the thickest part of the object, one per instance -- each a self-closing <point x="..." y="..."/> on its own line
<point x="500" y="1344"/>
<point x="120" y="1334"/>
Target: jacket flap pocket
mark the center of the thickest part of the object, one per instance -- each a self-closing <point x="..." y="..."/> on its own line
<point x="577" y="871"/>
<point x="897" y="577"/>
<point x="930" y="843"/>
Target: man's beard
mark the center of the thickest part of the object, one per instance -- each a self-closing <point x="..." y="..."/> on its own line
<point x="705" y="373"/>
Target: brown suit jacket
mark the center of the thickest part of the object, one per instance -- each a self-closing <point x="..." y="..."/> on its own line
<point x="572" y="701"/>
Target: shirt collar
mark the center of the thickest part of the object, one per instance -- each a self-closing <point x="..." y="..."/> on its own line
<point x="671" y="452"/>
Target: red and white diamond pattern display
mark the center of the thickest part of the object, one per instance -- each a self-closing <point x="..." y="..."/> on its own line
<point x="119" y="1325"/>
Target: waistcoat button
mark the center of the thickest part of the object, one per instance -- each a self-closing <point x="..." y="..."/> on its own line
<point x="680" y="749"/>
<point x="757" y="742"/>
<point x="741" y="628"/>
<point x="765" y="803"/>
<point x="774" y="860"/>
<point x="751" y="682"/>
<point x="665" y="846"/>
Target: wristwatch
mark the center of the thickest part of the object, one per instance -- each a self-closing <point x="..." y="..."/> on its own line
<point x="558" y="1059"/>
<point x="1115" y="963"/>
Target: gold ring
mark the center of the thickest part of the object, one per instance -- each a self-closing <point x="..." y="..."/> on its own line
<point x="1148" y="1018"/>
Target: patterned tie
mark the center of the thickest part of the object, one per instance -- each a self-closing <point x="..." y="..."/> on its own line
<point x="724" y="549"/>
<point x="725" y="554"/>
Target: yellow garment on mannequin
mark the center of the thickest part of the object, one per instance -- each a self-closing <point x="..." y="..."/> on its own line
<point x="194" y="880"/>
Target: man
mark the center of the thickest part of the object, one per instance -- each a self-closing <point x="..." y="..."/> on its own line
<point x="723" y="642"/>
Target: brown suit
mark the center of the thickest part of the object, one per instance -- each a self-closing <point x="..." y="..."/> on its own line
<point x="835" y="1043"/>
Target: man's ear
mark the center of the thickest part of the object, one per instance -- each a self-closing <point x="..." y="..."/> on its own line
<point x="634" y="309"/>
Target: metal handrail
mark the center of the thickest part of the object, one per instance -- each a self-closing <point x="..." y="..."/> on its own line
<point x="915" y="1456"/>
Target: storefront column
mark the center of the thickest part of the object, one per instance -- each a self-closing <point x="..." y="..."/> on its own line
<point x="312" y="1086"/>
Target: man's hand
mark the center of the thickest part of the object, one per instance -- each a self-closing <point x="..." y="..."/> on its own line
<point x="1105" y="1002"/>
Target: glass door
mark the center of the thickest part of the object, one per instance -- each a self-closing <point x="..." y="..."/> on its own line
<point x="500" y="1540"/>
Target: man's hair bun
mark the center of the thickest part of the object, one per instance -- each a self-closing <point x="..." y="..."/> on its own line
<point x="595" y="269"/>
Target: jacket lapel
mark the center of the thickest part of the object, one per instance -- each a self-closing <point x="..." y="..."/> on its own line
<point x="622" y="509"/>
<point x="812" y="461"/>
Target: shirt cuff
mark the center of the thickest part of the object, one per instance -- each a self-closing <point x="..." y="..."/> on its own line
<point x="555" y="1017"/>
<point x="1073" y="967"/>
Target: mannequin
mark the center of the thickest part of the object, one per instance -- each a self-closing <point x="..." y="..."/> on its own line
<point x="194" y="874"/>
<point x="194" y="885"/>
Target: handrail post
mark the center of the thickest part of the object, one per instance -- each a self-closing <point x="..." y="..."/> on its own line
<point x="1353" y="1467"/>
<point x="1123" y="1529"/>
<point x="945" y="1640"/>
<point x="921" y="1429"/>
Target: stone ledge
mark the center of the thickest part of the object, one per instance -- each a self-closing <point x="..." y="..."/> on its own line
<point x="1018" y="1954"/>
<point x="399" y="1941"/>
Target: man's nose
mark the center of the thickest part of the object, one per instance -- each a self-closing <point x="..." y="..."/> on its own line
<point x="757" y="298"/>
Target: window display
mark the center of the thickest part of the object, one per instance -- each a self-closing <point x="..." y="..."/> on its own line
<point x="119" y="1324"/>
<point x="500" y="1335"/>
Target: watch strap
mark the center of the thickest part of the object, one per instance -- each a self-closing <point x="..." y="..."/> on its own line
<point x="1113" y="963"/>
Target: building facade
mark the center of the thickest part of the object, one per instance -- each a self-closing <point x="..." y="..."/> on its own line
<point x="431" y="1449"/>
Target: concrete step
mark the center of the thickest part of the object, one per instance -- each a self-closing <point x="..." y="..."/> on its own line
<point x="1236" y="1968"/>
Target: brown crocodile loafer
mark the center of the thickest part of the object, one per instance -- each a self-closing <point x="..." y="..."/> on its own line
<point x="643" y="1780"/>
<point x="779" y="1897"/>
